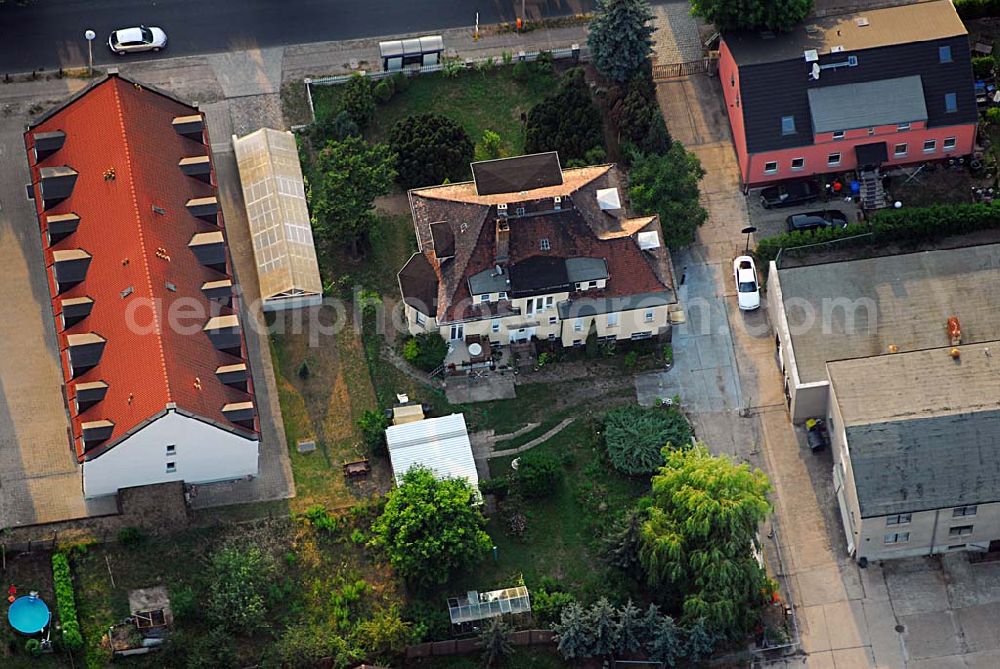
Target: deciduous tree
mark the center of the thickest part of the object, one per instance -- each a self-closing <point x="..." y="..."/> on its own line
<point x="667" y="185"/>
<point x="621" y="37"/>
<point x="239" y="578"/>
<point x="358" y="100"/>
<point x="350" y="174"/>
<point x="698" y="538"/>
<point x="776" y="15"/>
<point x="431" y="528"/>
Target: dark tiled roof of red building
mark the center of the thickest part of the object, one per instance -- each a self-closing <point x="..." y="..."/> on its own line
<point x="153" y="359"/>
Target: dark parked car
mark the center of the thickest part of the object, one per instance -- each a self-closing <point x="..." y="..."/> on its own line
<point x="788" y="194"/>
<point x="814" y="220"/>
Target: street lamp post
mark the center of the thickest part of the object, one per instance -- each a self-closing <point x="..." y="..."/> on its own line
<point x="90" y="35"/>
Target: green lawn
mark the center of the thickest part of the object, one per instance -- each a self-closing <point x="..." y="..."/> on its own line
<point x="478" y="100"/>
<point x="563" y="537"/>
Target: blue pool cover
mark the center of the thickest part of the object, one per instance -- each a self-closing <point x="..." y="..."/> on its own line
<point x="28" y="615"/>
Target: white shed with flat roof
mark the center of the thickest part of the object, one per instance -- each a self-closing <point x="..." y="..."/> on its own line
<point x="439" y="444"/>
<point x="275" y="199"/>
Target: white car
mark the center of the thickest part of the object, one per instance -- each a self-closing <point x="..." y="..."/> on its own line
<point x="131" y="40"/>
<point x="747" y="285"/>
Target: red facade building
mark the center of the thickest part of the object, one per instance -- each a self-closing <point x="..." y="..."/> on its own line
<point x="870" y="89"/>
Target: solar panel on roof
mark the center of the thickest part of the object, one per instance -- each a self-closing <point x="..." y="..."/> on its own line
<point x="513" y="175"/>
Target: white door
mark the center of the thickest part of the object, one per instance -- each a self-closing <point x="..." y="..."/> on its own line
<point x="522" y="334"/>
<point x="457" y="332"/>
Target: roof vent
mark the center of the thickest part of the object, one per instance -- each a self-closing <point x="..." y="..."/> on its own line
<point x="861" y="21"/>
<point x="159" y="210"/>
<point x="128" y="291"/>
<point x="811" y="55"/>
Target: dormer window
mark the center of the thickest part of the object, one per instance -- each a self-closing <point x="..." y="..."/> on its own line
<point x="502" y="295"/>
<point x="484" y="298"/>
<point x="544" y="244"/>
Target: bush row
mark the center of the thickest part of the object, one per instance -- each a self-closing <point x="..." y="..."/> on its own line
<point x="66" y="601"/>
<point x="977" y="9"/>
<point x="892" y="225"/>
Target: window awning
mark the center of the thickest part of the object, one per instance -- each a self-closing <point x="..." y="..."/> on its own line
<point x="868" y="104"/>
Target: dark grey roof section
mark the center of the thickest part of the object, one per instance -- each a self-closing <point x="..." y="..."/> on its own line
<point x="538" y="274"/>
<point x="867" y="104"/>
<point x="444" y="239"/>
<point x="489" y="281"/>
<point x="584" y="306"/>
<point x="419" y="284"/>
<point x="513" y="175"/>
<point x="769" y="91"/>
<point x="586" y="269"/>
<point x="853" y="31"/>
<point x="913" y="465"/>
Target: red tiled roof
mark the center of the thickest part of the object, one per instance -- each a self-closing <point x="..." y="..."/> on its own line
<point x="162" y="357"/>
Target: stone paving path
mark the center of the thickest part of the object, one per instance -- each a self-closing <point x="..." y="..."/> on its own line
<point x="677" y="37"/>
<point x="484" y="442"/>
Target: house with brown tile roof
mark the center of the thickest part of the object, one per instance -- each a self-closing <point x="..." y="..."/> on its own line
<point x="157" y="383"/>
<point x="531" y="251"/>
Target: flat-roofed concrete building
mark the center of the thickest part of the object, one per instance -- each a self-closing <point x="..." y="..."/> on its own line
<point x="275" y="199"/>
<point x="897" y="354"/>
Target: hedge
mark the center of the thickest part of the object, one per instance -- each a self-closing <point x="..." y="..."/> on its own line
<point x="977" y="9"/>
<point x="892" y="225"/>
<point x="66" y="601"/>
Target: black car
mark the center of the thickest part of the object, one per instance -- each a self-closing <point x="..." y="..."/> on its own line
<point x="814" y="220"/>
<point x="788" y="194"/>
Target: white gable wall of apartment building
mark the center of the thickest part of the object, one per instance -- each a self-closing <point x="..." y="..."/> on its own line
<point x="173" y="447"/>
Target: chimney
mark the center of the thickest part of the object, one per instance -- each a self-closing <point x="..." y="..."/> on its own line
<point x="47" y="143"/>
<point x="234" y="376"/>
<point x="205" y="208"/>
<point x="221" y="291"/>
<point x="96" y="431"/>
<point x="56" y="184"/>
<point x="199" y="167"/>
<point x="224" y="333"/>
<point x="75" y="309"/>
<point x="85" y="351"/>
<point x="210" y="249"/>
<point x="189" y="126"/>
<point x="503" y="240"/>
<point x="69" y="267"/>
<point x="60" y="226"/>
<point x="89" y="394"/>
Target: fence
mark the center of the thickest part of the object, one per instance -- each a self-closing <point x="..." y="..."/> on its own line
<point x="466" y="646"/>
<point x="675" y="70"/>
<point x="575" y="52"/>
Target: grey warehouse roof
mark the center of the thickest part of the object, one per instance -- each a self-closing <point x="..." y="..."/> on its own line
<point x="923" y="429"/>
<point x="872" y="103"/>
<point x="861" y="307"/>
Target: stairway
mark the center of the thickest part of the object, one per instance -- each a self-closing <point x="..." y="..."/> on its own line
<point x="872" y="194"/>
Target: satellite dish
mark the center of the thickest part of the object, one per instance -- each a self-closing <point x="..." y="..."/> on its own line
<point x="815" y="71"/>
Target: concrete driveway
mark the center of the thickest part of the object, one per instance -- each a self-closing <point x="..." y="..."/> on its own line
<point x="771" y="222"/>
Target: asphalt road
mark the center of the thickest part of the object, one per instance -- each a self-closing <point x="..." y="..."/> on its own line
<point x="49" y="33"/>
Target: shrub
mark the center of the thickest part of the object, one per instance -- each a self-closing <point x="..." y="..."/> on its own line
<point x="321" y="519"/>
<point x="635" y="437"/>
<point x="521" y="71"/>
<point x="631" y="360"/>
<point x="497" y="486"/>
<point x="373" y="425"/>
<point x="239" y="577"/>
<point x="430" y="148"/>
<point x="491" y="144"/>
<point x="333" y="128"/>
<point x="506" y="57"/>
<point x="977" y="9"/>
<point x="131" y="536"/>
<point x="538" y="473"/>
<point x="566" y="121"/>
<point x="982" y="66"/>
<point x="401" y="82"/>
<point x="357" y="100"/>
<point x="544" y="62"/>
<point x="547" y="606"/>
<point x="993" y="116"/>
<point x="185" y="604"/>
<point x="384" y="90"/>
<point x="33" y="647"/>
<point x="668" y="354"/>
<point x="62" y="580"/>
<point x="425" y="350"/>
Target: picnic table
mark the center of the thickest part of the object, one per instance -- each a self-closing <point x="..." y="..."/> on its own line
<point x="357" y="469"/>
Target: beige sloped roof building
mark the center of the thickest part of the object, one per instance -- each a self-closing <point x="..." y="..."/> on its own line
<point x="275" y="199"/>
